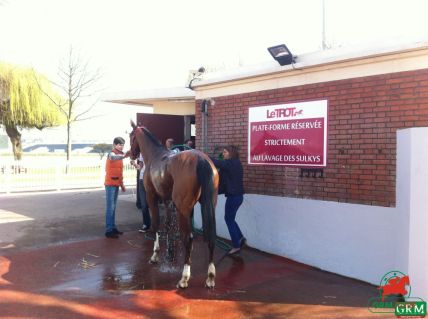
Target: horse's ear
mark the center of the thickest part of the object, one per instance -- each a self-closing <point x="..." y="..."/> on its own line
<point x="133" y="124"/>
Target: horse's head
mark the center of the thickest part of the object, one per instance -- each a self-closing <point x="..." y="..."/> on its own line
<point x="135" y="148"/>
<point x="142" y="140"/>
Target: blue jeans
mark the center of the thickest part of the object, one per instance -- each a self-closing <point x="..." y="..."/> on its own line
<point x="111" y="199"/>
<point x="144" y="207"/>
<point x="233" y="202"/>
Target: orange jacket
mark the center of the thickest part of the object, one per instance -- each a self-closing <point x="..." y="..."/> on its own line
<point x="114" y="168"/>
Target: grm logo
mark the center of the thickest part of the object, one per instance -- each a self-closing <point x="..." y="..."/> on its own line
<point x="416" y="309"/>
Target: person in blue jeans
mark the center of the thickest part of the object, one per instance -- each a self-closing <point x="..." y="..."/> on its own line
<point x="140" y="166"/>
<point x="231" y="176"/>
<point x="114" y="180"/>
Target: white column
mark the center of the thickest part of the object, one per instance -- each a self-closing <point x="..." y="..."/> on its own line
<point x="418" y="209"/>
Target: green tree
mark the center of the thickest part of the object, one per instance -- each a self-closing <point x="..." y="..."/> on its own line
<point x="23" y="103"/>
<point x="101" y="149"/>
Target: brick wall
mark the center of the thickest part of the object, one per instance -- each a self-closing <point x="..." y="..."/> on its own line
<point x="364" y="115"/>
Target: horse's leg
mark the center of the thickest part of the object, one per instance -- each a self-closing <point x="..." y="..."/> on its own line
<point x="156" y="248"/>
<point x="152" y="201"/>
<point x="210" y="282"/>
<point x="187" y="238"/>
<point x="170" y="229"/>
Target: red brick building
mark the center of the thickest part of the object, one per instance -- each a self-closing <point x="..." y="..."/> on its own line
<point x="363" y="217"/>
<point x="365" y="111"/>
<point x="363" y="213"/>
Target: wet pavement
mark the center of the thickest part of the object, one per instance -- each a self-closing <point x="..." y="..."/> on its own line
<point x="96" y="277"/>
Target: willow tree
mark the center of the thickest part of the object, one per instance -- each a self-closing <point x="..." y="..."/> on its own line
<point x="23" y="103"/>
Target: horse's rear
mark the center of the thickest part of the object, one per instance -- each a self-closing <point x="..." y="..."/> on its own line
<point x="195" y="179"/>
<point x="190" y="170"/>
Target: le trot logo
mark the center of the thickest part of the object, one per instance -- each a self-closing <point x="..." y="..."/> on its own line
<point x="394" y="297"/>
<point x="283" y="112"/>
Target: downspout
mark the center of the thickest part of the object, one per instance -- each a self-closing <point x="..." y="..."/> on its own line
<point x="204" y="117"/>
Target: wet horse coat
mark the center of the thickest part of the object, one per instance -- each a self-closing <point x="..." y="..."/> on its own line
<point x="185" y="178"/>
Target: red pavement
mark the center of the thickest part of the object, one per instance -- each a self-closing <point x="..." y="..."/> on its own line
<point x="108" y="278"/>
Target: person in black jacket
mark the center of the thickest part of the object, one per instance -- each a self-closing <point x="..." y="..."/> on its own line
<point x="231" y="175"/>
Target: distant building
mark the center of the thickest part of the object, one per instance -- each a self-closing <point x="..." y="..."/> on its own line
<point x="58" y="148"/>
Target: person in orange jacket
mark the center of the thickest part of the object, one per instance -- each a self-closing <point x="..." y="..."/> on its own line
<point x="114" y="180"/>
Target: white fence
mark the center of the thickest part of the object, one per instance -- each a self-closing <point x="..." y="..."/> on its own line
<point x="49" y="173"/>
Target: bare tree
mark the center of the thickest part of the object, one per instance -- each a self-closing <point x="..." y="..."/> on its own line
<point x="77" y="82"/>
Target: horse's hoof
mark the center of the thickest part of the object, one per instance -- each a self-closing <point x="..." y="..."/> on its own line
<point x="153" y="261"/>
<point x="182" y="284"/>
<point x="210" y="283"/>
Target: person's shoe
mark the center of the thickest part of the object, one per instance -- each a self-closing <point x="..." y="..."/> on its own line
<point x="117" y="231"/>
<point x="234" y="251"/>
<point x="111" y="234"/>
<point x="242" y="242"/>
<point x="144" y="229"/>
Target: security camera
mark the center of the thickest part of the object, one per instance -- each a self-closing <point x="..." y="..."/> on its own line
<point x="195" y="75"/>
<point x="198" y="72"/>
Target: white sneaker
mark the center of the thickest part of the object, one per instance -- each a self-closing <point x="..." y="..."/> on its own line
<point x="144" y="229"/>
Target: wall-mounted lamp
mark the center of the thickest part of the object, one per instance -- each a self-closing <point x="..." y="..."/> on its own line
<point x="281" y="54"/>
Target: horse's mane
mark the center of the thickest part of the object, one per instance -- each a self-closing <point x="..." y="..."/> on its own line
<point x="151" y="136"/>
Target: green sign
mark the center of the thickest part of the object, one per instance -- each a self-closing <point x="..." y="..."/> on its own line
<point x="411" y="308"/>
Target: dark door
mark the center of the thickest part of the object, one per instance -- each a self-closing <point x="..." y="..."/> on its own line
<point x="163" y="126"/>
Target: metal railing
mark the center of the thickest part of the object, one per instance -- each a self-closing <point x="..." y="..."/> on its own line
<point x="47" y="173"/>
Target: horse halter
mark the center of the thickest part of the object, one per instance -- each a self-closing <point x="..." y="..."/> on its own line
<point x="135" y="148"/>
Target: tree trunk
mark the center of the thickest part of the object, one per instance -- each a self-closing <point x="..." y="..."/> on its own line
<point x="15" y="138"/>
<point x="68" y="140"/>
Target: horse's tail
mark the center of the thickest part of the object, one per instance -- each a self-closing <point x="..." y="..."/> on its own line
<point x="207" y="200"/>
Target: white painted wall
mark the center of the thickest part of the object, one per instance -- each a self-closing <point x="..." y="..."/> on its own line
<point x="352" y="240"/>
<point x="358" y="241"/>
<point x="416" y="143"/>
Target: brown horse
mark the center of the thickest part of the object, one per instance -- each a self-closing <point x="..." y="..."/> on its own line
<point x="185" y="178"/>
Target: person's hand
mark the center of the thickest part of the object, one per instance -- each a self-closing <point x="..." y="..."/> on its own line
<point x="123" y="188"/>
<point x="128" y="154"/>
<point x="136" y="165"/>
<point x="133" y="163"/>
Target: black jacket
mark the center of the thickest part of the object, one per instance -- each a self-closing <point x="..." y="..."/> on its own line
<point x="231" y="176"/>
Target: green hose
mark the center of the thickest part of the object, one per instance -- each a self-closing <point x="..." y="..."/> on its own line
<point x="218" y="242"/>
